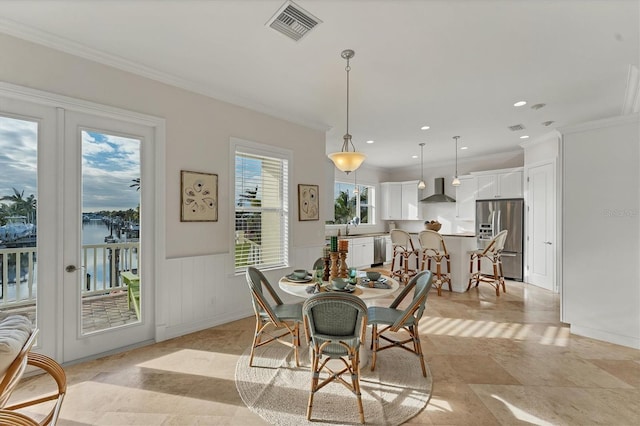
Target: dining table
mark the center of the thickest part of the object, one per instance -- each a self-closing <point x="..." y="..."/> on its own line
<point x="362" y="289"/>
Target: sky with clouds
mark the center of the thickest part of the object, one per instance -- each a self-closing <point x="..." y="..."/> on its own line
<point x="109" y="165"/>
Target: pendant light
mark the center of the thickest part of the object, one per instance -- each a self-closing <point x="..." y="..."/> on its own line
<point x="421" y="184"/>
<point x="456" y="181"/>
<point x="346" y="160"/>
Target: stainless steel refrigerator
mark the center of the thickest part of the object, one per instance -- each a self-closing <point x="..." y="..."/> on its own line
<point x="493" y="216"/>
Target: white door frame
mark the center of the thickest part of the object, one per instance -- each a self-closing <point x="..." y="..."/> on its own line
<point x="153" y="169"/>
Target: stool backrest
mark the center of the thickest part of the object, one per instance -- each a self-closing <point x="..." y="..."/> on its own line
<point x="432" y="240"/>
<point x="402" y="239"/>
<point x="496" y="245"/>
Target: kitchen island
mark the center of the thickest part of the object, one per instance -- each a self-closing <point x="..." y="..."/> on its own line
<point x="459" y="246"/>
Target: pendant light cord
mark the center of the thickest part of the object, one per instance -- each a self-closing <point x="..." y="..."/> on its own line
<point x="346" y="147"/>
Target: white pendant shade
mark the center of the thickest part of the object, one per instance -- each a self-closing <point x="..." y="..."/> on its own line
<point x="347" y="161"/>
<point x="422" y="185"/>
<point x="455" y="181"/>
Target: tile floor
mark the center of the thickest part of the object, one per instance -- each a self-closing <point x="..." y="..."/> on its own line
<point x="495" y="361"/>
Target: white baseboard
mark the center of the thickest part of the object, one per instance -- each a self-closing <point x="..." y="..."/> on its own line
<point x="629" y="341"/>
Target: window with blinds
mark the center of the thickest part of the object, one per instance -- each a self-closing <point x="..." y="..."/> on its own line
<point x="261" y="210"/>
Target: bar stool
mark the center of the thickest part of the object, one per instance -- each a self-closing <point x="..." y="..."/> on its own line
<point x="403" y="249"/>
<point x="493" y="253"/>
<point x="434" y="249"/>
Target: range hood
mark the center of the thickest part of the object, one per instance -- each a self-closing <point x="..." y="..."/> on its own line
<point x="439" y="196"/>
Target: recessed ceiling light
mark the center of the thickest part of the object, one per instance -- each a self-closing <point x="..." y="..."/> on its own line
<point x="370" y="141"/>
<point x="520" y="103"/>
<point x="425" y="128"/>
<point x="464" y="147"/>
<point x="524" y="137"/>
<point x="414" y="156"/>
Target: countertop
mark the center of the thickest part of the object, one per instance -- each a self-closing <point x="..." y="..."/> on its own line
<point x="379" y="234"/>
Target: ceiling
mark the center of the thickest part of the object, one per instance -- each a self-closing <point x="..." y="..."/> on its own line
<point x="456" y="66"/>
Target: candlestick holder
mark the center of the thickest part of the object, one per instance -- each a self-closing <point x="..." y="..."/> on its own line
<point x="343" y="264"/>
<point x="327" y="266"/>
<point x="333" y="272"/>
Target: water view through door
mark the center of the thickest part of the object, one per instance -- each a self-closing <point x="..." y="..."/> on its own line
<point x="110" y="290"/>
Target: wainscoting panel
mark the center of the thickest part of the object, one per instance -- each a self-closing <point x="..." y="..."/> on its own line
<point x="199" y="293"/>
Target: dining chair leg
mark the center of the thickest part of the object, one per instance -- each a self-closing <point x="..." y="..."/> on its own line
<point x="355" y="379"/>
<point x="314" y="382"/>
<point x="296" y="342"/>
<point x="418" y="348"/>
<point x="374" y="345"/>
<point x="256" y="341"/>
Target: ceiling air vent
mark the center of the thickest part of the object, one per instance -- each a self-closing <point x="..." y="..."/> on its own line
<point x="516" y="127"/>
<point x="293" y="21"/>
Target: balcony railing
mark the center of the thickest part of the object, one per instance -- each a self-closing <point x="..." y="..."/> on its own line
<point x="101" y="267"/>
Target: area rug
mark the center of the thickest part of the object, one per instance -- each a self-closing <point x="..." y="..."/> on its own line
<point x="278" y="391"/>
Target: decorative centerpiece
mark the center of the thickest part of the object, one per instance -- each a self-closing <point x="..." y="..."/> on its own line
<point x="432" y="225"/>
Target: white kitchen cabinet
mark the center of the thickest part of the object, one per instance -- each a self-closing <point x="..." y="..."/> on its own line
<point x="466" y="197"/>
<point x="391" y="200"/>
<point x="360" y="252"/>
<point x="399" y="200"/>
<point x="505" y="183"/>
<point x="410" y="201"/>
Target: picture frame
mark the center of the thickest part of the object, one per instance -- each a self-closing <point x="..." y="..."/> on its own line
<point x="198" y="197"/>
<point x="308" y="202"/>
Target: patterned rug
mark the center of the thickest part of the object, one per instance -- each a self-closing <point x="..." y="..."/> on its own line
<point x="278" y="391"/>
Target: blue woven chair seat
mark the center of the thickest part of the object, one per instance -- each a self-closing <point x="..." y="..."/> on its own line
<point x="334" y="350"/>
<point x="286" y="312"/>
<point x="387" y="316"/>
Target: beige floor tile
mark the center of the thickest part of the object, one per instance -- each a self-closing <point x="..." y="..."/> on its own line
<point x="505" y="360"/>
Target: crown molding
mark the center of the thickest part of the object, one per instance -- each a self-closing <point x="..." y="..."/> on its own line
<point x="599" y="124"/>
<point x="49" y="40"/>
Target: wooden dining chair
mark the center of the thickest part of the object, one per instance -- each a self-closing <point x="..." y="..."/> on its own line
<point x="334" y="324"/>
<point x="493" y="254"/>
<point x="17" y="337"/>
<point x="394" y="319"/>
<point x="277" y="317"/>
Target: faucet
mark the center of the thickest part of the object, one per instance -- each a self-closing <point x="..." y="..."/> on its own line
<point x="346" y="231"/>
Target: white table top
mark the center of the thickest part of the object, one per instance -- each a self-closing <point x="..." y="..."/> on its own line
<point x="300" y="289"/>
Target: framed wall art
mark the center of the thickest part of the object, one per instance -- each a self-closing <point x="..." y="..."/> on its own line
<point x="308" y="204"/>
<point x="198" y="197"/>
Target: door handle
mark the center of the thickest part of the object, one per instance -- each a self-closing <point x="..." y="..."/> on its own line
<point x="548" y="243"/>
<point x="71" y="268"/>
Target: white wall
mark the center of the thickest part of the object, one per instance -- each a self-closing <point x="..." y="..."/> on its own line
<point x="601" y="229"/>
<point x="198" y="130"/>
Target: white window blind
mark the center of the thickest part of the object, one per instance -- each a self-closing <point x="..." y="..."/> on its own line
<point x="261" y="211"/>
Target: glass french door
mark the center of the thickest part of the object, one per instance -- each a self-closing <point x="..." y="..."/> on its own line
<point x="27" y="202"/>
<point x="107" y="302"/>
<point x="76" y="232"/>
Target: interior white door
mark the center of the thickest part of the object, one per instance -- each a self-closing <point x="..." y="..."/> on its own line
<point x="542" y="226"/>
<point x="104" y="178"/>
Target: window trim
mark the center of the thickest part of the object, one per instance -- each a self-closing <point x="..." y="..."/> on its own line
<point x="257" y="148"/>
